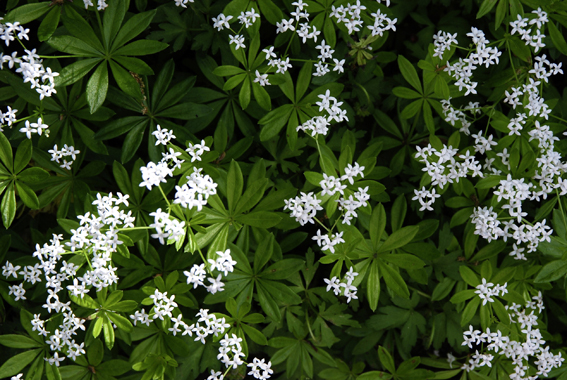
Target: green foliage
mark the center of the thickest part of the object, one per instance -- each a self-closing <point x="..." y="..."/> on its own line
<point x="336" y="196"/>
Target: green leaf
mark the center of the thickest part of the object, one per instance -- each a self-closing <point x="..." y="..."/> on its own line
<point x="409" y="73"/>
<point x="485" y="7"/>
<point x="399" y="238"/>
<point x="141" y="47"/>
<point x="95" y="352"/>
<point x="85" y="301"/>
<point x="27" y="195"/>
<point x="470" y="311"/>
<point x="404" y="260"/>
<point x="374" y="375"/>
<point x="262" y="97"/>
<point x="48" y="24"/>
<point x="97" y="87"/>
<point x="131" y="28"/>
<point x="228" y="70"/>
<point x="377" y="225"/>
<point x="234" y="186"/>
<point x="27" y="13"/>
<point x="274" y="121"/>
<point x="268" y="303"/>
<point x="262" y="219"/>
<point x="492" y="249"/>
<point x="75" y="71"/>
<point x="500" y="13"/>
<point x="125" y="81"/>
<point x="244" y="94"/>
<point x="17" y="363"/>
<point x="557" y="38"/>
<point x="386" y="359"/>
<point x="108" y="332"/>
<point x="73" y="45"/>
<point x="303" y="80"/>
<point x="282" y="269"/>
<point x="132" y="142"/>
<point x="373" y="285"/>
<point x="263" y="253"/>
<point x="405" y="93"/>
<point x="6" y="152"/>
<point x="552" y="271"/>
<point x="255" y="335"/>
<point x="271" y="11"/>
<point x="443" y="289"/>
<point x="251" y="196"/>
<point x="8" y="205"/>
<point x="120" y="322"/>
<point x="18" y="341"/>
<point x="120" y="126"/>
<point x="113" y="17"/>
<point x="135" y="65"/>
<point x="469" y="276"/>
<point x="80" y="28"/>
<point x="428" y="118"/>
<point x="23" y="155"/>
<point x="394" y="281"/>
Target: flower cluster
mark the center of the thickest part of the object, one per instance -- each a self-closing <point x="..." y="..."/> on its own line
<point x="8" y="118"/>
<point x="525" y="28"/>
<point x="38" y="128"/>
<point x="442" y="42"/>
<point x="303" y="208"/>
<point x="350" y="15"/>
<point x="183" y="3"/>
<point x="66" y="151"/>
<point x="101" y="4"/>
<point x="319" y="125"/>
<point x="97" y="238"/>
<point x="260" y="369"/>
<point x="326" y="242"/>
<point x="346" y="288"/>
<point x="30" y="65"/>
<point x="167" y="228"/>
<point x="163" y="305"/>
<point x="196" y="191"/>
<point x="463" y="70"/>
<point x="163" y="136"/>
<point x="198" y="273"/>
<point x="443" y="167"/>
<point x="519" y="352"/>
<point x="486" y="290"/>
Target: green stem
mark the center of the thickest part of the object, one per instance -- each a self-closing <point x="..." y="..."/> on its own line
<point x="62" y="56"/>
<point x="561" y="207"/>
<point x="134" y="228"/>
<point x="511" y="61"/>
<point x="309" y="327"/>
<point x="164" y="197"/>
<point x="199" y="249"/>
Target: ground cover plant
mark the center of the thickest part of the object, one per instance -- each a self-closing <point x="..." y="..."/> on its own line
<point x="283" y="189"/>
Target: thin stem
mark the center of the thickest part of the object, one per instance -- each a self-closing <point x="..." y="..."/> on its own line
<point x="511" y="61"/>
<point x="164" y="197"/>
<point x="561" y="207"/>
<point x="420" y="292"/>
<point x="134" y="228"/>
<point x="62" y="56"/>
<point x="309" y="327"/>
<point x="199" y="249"/>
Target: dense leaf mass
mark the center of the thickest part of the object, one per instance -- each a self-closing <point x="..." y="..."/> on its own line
<point x="310" y="189"/>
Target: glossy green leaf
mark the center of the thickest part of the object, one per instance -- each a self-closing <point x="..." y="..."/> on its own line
<point x="8" y="205"/>
<point x="97" y="87"/>
<point x="409" y="73"/>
